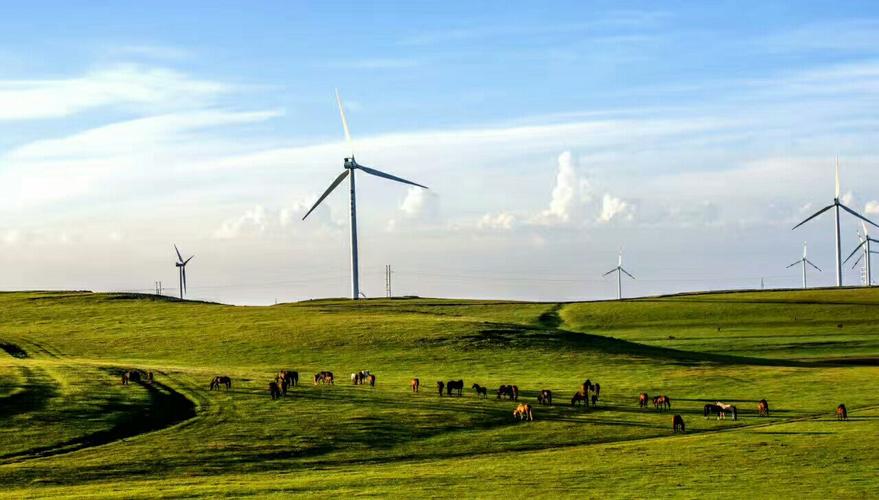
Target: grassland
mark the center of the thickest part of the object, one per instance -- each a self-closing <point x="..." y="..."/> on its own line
<point x="68" y="428"/>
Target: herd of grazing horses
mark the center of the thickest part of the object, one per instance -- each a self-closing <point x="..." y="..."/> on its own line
<point x="588" y="392"/>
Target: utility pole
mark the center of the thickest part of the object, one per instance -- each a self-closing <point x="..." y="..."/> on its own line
<point x="388" y="281"/>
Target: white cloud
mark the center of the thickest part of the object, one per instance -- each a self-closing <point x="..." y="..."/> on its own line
<point x="569" y="192"/>
<point x="847" y="198"/>
<point x="420" y="204"/>
<point x="501" y="220"/>
<point x="130" y="85"/>
<point x="615" y="208"/>
<point x="254" y="220"/>
<point x="872" y="207"/>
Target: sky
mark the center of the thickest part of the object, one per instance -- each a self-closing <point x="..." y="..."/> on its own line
<point x="691" y="135"/>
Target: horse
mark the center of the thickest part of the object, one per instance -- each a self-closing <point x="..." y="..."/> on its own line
<point x="481" y="392"/>
<point x="578" y="399"/>
<point x="587" y="386"/>
<point x="727" y="408"/>
<point x="289" y="377"/>
<point x="763" y="408"/>
<point x="662" y="402"/>
<point x="643" y="398"/>
<point x="544" y="397"/>
<point x="133" y="375"/>
<point x="355" y="378"/>
<point x="440" y="385"/>
<point x="274" y="391"/>
<point x="454" y="385"/>
<point x="594" y="400"/>
<point x="221" y="380"/>
<point x="323" y="377"/>
<point x="523" y="412"/>
<point x="510" y="392"/>
<point x="414" y="384"/>
<point x="708" y="409"/>
<point x="841" y="413"/>
<point x="371" y="380"/>
<point x="149" y="377"/>
<point x="677" y="423"/>
<point x="124" y="378"/>
<point x="597" y="388"/>
<point x="283" y="384"/>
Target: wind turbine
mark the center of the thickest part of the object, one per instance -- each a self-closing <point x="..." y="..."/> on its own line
<point x="181" y="270"/>
<point x="836" y="205"/>
<point x="804" y="261"/>
<point x="350" y="165"/>
<point x="619" y="270"/>
<point x="865" y="244"/>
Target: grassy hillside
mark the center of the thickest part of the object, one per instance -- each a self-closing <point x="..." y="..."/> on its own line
<point x="69" y="427"/>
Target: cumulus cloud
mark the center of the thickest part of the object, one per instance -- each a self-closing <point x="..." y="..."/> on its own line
<point x="254" y="220"/>
<point x="501" y="221"/>
<point x="848" y="198"/>
<point x="613" y="207"/>
<point x="420" y="203"/>
<point x="570" y="191"/>
<point x="872" y="207"/>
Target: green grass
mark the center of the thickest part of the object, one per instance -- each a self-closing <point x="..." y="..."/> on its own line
<point x="67" y="427"/>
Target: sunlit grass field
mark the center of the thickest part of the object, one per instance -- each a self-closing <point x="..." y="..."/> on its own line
<point x="68" y="427"/>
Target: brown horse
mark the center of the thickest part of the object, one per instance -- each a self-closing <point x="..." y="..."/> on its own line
<point x="440" y="385"/>
<point x="481" y="392"/>
<point x="124" y="378"/>
<point x="289" y="376"/>
<point x="763" y="408"/>
<point x="324" y="377"/>
<point x="510" y="392"/>
<point x="221" y="380"/>
<point x="677" y="423"/>
<point x="643" y="400"/>
<point x="544" y="397"/>
<point x="414" y="384"/>
<point x="662" y="402"/>
<point x="841" y="413"/>
<point x="274" y="391"/>
<point x="283" y="384"/>
<point x="371" y="380"/>
<point x="579" y="398"/>
<point x="523" y="412"/>
<point x="454" y="385"/>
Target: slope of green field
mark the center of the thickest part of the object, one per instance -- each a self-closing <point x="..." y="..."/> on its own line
<point x="68" y="427"/>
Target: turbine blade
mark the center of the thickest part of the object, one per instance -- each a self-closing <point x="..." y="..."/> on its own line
<point x="609" y="272"/>
<point x="794" y="264"/>
<point x="344" y="122"/>
<point x="329" y="190"/>
<point x="187" y="260"/>
<point x="858" y="261"/>
<point x="627" y="273"/>
<point x="854" y="251"/>
<point x="379" y="173"/>
<point x="837" y="178"/>
<point x="859" y="216"/>
<point x="180" y="257"/>
<point x="813" y="265"/>
<point x="816" y="214"/>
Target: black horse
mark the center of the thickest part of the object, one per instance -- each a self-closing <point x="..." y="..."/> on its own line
<point x="454" y="385"/>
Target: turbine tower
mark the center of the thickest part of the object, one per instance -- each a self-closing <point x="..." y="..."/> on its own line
<point x="350" y="165"/>
<point x="865" y="244"/>
<point x="804" y="261"/>
<point x="619" y="270"/>
<point x="836" y="205"/>
<point x="181" y="270"/>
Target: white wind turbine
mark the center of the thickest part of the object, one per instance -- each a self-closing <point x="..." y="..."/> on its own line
<point x="836" y="205"/>
<point x="619" y="270"/>
<point x="804" y="261"/>
<point x="865" y="244"/>
<point x="350" y="166"/>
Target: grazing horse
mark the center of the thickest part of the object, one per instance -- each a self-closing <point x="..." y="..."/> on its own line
<point x="544" y="397"/>
<point x="414" y="384"/>
<point x="510" y="392"/>
<point x="324" y="378"/>
<point x="763" y="408"/>
<point x="708" y="409"/>
<point x="371" y="380"/>
<point x="578" y="399"/>
<point x="841" y="413"/>
<point x="662" y="402"/>
<point x="727" y="408"/>
<point x="481" y="392"/>
<point x="677" y="423"/>
<point x="221" y="380"/>
<point x="643" y="399"/>
<point x="440" y="386"/>
<point x="454" y="385"/>
<point x="523" y="412"/>
<point x="274" y="391"/>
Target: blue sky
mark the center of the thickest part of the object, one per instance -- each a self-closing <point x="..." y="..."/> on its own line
<point x="693" y="135"/>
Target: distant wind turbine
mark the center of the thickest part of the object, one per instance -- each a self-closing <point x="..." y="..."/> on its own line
<point x="619" y="270"/>
<point x="836" y="205"/>
<point x="350" y="166"/>
<point x="181" y="270"/>
<point x="804" y="261"/>
<point x="865" y="244"/>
